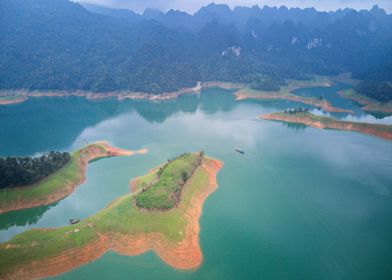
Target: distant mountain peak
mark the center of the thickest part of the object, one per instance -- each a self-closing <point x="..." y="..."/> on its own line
<point x="377" y="10"/>
<point x="213" y="5"/>
<point x="216" y="9"/>
<point x="150" y="13"/>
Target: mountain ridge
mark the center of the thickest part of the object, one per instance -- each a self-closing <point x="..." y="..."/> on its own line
<point x="62" y="45"/>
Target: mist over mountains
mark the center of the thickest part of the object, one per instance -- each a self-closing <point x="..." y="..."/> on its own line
<point x="239" y="16"/>
<point x="62" y="45"/>
<point x="194" y="5"/>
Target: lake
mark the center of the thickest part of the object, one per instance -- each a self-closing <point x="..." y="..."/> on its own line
<point x="301" y="203"/>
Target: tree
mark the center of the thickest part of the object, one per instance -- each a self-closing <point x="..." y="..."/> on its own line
<point x="184" y="176"/>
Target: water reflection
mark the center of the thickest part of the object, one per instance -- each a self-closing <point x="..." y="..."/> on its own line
<point x="358" y="117"/>
<point x="295" y="126"/>
<point x="44" y="124"/>
<point x="331" y="94"/>
<point x="158" y="112"/>
<point x="216" y="99"/>
<point x="49" y="123"/>
<point x="23" y="217"/>
<point x="321" y="190"/>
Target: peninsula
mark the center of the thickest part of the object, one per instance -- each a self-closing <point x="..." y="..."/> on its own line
<point x="309" y="119"/>
<point x="369" y="104"/>
<point x="286" y="93"/>
<point x="62" y="182"/>
<point x="162" y="214"/>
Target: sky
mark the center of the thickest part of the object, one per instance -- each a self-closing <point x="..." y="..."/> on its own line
<point x="192" y="6"/>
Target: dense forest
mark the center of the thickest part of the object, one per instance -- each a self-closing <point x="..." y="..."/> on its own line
<point x="62" y="45"/>
<point x="24" y="171"/>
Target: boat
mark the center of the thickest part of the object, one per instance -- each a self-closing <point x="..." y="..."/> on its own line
<point x="239" y="150"/>
<point x="74" y="221"/>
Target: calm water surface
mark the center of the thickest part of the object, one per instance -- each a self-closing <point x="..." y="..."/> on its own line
<point x="301" y="203"/>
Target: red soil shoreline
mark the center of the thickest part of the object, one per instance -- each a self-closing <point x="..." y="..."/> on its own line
<point x="324" y="104"/>
<point x="370" y="129"/>
<point x="183" y="255"/>
<point x="90" y="153"/>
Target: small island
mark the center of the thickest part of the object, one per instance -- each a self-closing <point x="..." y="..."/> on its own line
<point x="302" y="116"/>
<point x="161" y="214"/>
<point x="61" y="182"/>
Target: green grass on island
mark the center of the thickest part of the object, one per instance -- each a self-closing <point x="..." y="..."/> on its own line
<point x="164" y="190"/>
<point x="66" y="176"/>
<point x="304" y="116"/>
<point x="39" y="191"/>
<point x="121" y="216"/>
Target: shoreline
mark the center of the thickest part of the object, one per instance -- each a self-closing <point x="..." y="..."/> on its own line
<point x="84" y="155"/>
<point x="22" y="95"/>
<point x="242" y="91"/>
<point x="16" y="100"/>
<point x="368" y="104"/>
<point x="183" y="255"/>
<point x="377" y="130"/>
<point x="323" y="104"/>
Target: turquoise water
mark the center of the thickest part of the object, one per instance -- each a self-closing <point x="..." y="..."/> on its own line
<point x="301" y="203"/>
<point x="330" y="94"/>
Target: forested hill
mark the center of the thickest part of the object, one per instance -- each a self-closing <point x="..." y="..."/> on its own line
<point x="25" y="171"/>
<point x="62" y="45"/>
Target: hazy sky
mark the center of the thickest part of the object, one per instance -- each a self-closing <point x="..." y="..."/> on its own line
<point x="193" y="5"/>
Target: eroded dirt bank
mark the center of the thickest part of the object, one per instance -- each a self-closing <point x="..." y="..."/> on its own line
<point x="91" y="152"/>
<point x="378" y="130"/>
<point x="185" y="254"/>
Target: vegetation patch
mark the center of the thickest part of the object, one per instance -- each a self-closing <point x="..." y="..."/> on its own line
<point x="60" y="183"/>
<point x="377" y="90"/>
<point x="163" y="192"/>
<point x="23" y="171"/>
